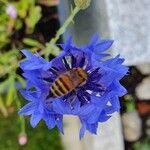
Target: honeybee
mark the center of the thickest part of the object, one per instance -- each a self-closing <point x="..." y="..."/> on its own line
<point x="68" y="82"/>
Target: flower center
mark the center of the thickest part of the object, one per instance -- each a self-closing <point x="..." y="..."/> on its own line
<point x="68" y="82"/>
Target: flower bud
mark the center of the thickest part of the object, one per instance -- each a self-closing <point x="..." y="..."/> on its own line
<point x="11" y="11"/>
<point x="82" y="4"/>
<point x="22" y="139"/>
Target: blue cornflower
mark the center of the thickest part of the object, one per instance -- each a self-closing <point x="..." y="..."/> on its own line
<point x="77" y="82"/>
<point x="36" y="108"/>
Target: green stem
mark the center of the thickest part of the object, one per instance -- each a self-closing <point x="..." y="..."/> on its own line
<point x="22" y="120"/>
<point x="65" y="25"/>
<point x="63" y="28"/>
<point x="3" y="108"/>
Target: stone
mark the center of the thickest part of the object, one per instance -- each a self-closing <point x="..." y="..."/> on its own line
<point x="144" y="68"/>
<point x="143" y="89"/>
<point x="129" y="25"/>
<point x="132" y="126"/>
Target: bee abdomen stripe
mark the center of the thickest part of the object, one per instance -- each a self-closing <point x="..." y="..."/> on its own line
<point x="61" y="86"/>
<point x="66" y="81"/>
<point x="56" y="90"/>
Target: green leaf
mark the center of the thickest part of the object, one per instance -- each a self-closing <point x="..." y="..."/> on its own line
<point x="22" y="7"/>
<point x="11" y="90"/>
<point x="2" y="28"/>
<point x="3" y="86"/>
<point x="3" y="39"/>
<point x="129" y="103"/>
<point x="33" y="17"/>
<point x="18" y="24"/>
<point x="33" y="43"/>
<point x="51" y="49"/>
<point x="7" y="56"/>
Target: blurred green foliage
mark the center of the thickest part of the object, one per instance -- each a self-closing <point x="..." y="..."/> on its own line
<point x="28" y="15"/>
<point x="129" y="103"/>
<point x="39" y="138"/>
<point x="144" y="145"/>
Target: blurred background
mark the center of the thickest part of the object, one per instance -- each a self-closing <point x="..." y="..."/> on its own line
<point x="32" y="24"/>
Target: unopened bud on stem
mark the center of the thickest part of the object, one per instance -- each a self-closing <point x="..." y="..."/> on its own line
<point x="22" y="139"/>
<point x="82" y="4"/>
